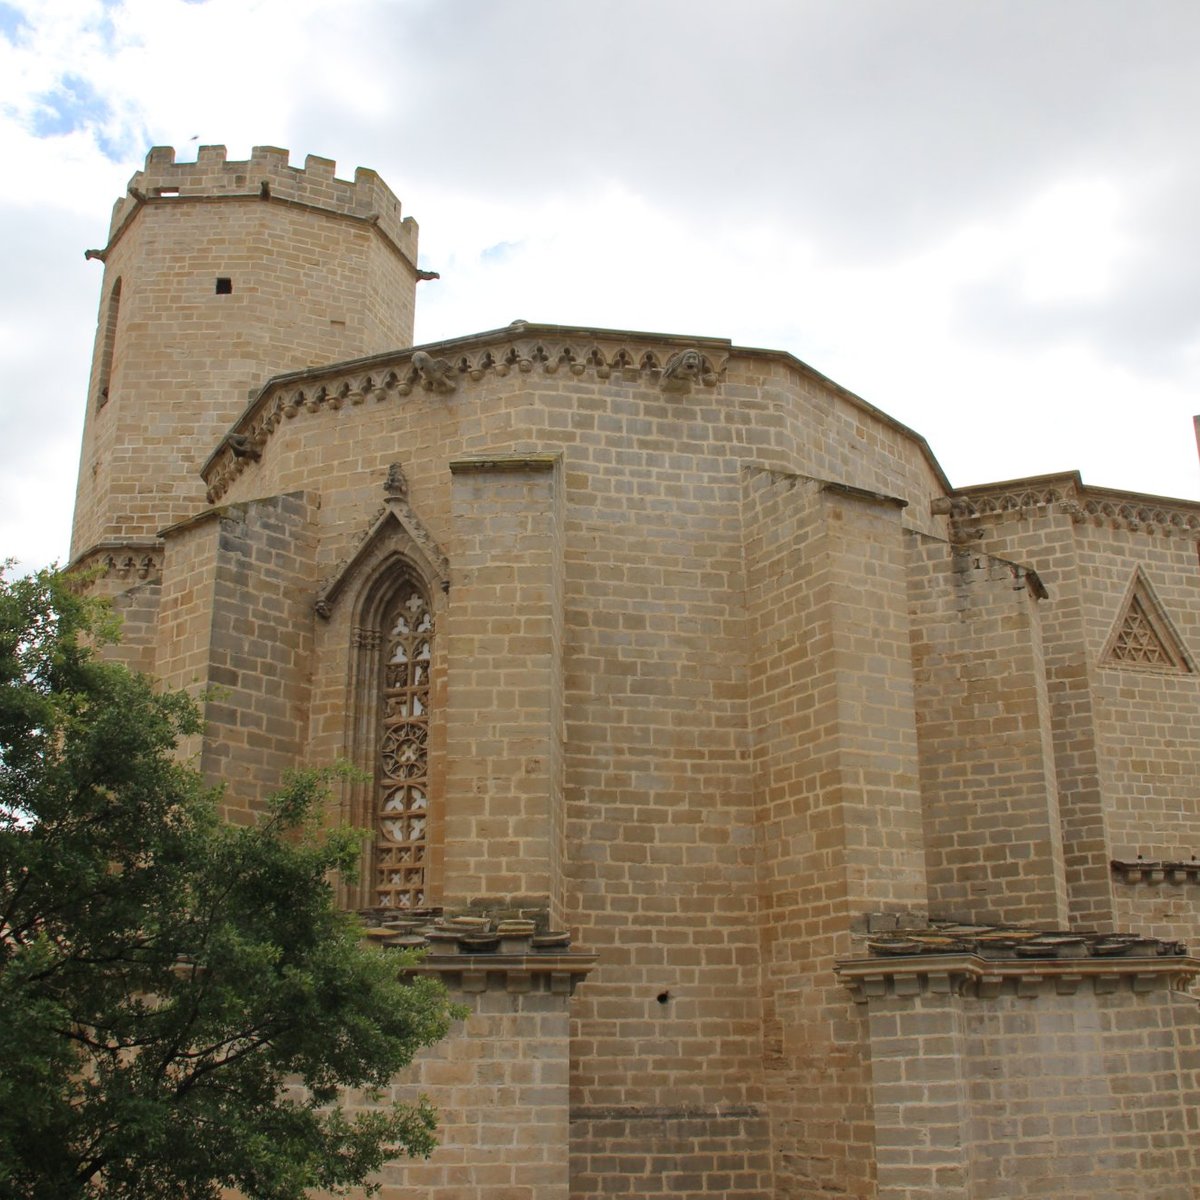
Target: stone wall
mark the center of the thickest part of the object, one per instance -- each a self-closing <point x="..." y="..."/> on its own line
<point x="999" y="1082"/>
<point x="993" y="839"/>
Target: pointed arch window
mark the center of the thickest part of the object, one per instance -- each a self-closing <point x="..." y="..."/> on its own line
<point x="108" y="344"/>
<point x="402" y="768"/>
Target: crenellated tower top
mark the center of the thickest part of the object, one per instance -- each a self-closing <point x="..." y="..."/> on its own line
<point x="218" y="275"/>
<point x="266" y="175"/>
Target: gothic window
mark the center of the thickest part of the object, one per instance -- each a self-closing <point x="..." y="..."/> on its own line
<point x="402" y="767"/>
<point x="108" y="344"/>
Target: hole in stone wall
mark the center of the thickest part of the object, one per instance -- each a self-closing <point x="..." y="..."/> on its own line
<point x="224" y="286"/>
<point x="663" y="997"/>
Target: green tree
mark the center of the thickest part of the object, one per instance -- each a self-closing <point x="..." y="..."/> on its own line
<point x="167" y="979"/>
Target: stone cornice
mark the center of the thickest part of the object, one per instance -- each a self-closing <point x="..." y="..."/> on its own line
<point x="987" y="978"/>
<point x="137" y="560"/>
<point x="675" y="364"/>
<point x="1068" y="494"/>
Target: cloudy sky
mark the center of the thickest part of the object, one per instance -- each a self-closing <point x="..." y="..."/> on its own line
<point x="981" y="216"/>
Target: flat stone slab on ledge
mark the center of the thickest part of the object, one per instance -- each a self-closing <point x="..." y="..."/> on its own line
<point x="1002" y="942"/>
<point x="985" y="961"/>
<point x="481" y="952"/>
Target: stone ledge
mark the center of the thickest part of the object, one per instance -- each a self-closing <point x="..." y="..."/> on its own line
<point x="514" y="973"/>
<point x="664" y="1112"/>
<point x="505" y="462"/>
<point x="1156" y="871"/>
<point x="513" y="952"/>
<point x="137" y="559"/>
<point x="971" y="975"/>
<point x="1005" y="942"/>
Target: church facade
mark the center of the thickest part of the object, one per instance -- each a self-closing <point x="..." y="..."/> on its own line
<point x="794" y="823"/>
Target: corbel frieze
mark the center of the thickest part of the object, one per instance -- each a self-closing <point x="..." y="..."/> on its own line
<point x="675" y="371"/>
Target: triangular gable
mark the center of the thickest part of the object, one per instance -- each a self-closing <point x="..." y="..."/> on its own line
<point x="419" y="544"/>
<point x="1143" y="635"/>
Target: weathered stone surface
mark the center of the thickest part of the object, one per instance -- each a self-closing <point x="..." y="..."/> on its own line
<point x="795" y="824"/>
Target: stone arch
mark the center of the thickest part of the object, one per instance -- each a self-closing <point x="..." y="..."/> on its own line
<point x="395" y="707"/>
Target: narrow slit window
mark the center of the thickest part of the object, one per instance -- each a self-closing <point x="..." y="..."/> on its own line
<point x="108" y="345"/>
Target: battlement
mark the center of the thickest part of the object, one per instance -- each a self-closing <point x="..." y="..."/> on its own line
<point x="267" y="175"/>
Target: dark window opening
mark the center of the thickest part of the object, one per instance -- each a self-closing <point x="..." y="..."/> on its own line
<point x="108" y="344"/>
<point x="224" y="286"/>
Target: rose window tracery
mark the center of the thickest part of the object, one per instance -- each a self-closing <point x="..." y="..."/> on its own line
<point x="403" y="761"/>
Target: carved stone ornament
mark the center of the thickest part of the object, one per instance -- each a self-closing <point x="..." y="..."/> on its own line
<point x="395" y="517"/>
<point x="395" y="486"/>
<point x="283" y="401"/>
<point x="682" y="370"/>
<point x="243" y="446"/>
<point x="434" y="373"/>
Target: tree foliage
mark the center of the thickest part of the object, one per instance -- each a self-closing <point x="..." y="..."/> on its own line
<point x="181" y="999"/>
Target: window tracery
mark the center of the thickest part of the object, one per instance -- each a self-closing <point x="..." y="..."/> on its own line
<point x="402" y="808"/>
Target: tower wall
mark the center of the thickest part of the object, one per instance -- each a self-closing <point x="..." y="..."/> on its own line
<point x="218" y="275"/>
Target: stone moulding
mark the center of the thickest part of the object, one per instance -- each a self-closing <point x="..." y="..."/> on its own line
<point x="1002" y="502"/>
<point x="1135" y="516"/>
<point x="666" y="1112"/>
<point x="396" y="511"/>
<point x="986" y="979"/>
<point x="1156" y="872"/>
<point x="1069" y="495"/>
<point x="124" y="560"/>
<point x="504" y="462"/>
<point x="558" y="974"/>
<point x="392" y="377"/>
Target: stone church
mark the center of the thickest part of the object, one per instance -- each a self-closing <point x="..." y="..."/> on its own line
<point x="795" y="824"/>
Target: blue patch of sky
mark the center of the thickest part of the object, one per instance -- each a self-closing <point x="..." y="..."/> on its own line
<point x="499" y="252"/>
<point x="12" y="20"/>
<point x="73" y="105"/>
<point x="114" y="149"/>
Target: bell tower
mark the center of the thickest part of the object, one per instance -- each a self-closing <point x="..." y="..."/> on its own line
<point x="218" y="275"/>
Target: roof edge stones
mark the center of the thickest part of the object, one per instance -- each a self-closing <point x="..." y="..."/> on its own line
<point x="1083" y="503"/>
<point x="984" y="978"/>
<point x="678" y="363"/>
